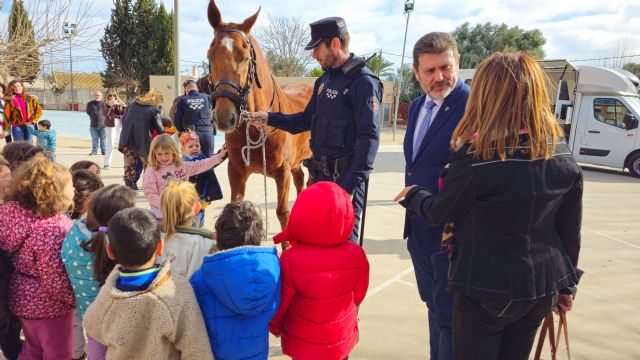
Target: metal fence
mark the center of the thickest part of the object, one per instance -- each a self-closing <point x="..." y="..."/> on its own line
<point x="52" y="101"/>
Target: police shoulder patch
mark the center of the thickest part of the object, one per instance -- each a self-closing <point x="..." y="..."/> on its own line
<point x="373" y="104"/>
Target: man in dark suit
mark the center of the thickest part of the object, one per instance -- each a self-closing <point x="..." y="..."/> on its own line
<point x="432" y="119"/>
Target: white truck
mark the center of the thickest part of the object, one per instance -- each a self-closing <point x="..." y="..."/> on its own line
<point x="599" y="109"/>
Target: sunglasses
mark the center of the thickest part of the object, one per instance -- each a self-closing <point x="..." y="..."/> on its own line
<point x="110" y="95"/>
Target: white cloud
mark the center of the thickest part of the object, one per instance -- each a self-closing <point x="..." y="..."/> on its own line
<point x="573" y="29"/>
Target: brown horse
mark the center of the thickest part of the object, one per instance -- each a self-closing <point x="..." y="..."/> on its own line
<point x="240" y="79"/>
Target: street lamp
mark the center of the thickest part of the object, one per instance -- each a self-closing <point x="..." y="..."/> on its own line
<point x="408" y="8"/>
<point x="70" y="30"/>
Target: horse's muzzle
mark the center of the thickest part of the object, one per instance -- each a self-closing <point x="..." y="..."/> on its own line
<point x="224" y="121"/>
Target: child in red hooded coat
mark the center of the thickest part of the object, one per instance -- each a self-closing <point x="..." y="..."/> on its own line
<point x="324" y="277"/>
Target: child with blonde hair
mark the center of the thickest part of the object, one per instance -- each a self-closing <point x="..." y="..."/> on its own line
<point x="187" y="244"/>
<point x="166" y="165"/>
<point x="34" y="225"/>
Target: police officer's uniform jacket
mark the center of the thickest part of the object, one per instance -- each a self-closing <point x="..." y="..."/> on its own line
<point x="344" y="118"/>
<point x="194" y="112"/>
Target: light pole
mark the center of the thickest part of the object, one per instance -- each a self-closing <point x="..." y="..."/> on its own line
<point x="176" y="51"/>
<point x="408" y="8"/>
<point x="70" y="30"/>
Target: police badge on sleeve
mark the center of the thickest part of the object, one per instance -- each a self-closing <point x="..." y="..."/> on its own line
<point x="373" y="104"/>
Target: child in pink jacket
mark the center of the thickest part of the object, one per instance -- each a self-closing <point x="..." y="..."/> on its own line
<point x="166" y="165"/>
<point x="34" y="225"/>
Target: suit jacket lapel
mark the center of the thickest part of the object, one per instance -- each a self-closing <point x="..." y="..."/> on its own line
<point x="444" y="113"/>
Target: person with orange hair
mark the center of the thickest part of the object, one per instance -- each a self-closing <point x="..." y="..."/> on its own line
<point x="514" y="194"/>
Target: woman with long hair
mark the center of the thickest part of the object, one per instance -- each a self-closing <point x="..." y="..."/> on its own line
<point x="139" y="122"/>
<point x="513" y="199"/>
<point x="113" y="110"/>
<point x="20" y="110"/>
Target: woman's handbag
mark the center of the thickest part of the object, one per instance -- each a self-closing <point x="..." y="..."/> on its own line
<point x="548" y="326"/>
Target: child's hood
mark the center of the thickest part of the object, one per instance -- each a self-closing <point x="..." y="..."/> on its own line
<point x="245" y="279"/>
<point x="321" y="216"/>
<point x="15" y="230"/>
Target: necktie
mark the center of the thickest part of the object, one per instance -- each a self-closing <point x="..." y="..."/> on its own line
<point x="424" y="126"/>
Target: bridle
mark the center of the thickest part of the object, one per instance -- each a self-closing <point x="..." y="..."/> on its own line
<point x="239" y="98"/>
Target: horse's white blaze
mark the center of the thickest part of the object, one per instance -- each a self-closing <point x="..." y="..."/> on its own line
<point x="227" y="42"/>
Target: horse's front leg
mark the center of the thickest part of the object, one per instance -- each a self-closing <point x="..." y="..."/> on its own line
<point x="298" y="179"/>
<point x="283" y="181"/>
<point x="238" y="176"/>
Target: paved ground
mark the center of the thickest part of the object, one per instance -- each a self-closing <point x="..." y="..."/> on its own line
<point x="605" y="323"/>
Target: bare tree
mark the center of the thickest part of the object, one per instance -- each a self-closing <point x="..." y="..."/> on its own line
<point x="51" y="42"/>
<point x="283" y="42"/>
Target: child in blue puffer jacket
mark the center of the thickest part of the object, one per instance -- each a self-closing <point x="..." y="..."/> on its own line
<point x="238" y="288"/>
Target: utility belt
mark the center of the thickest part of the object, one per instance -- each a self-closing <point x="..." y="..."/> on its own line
<point x="329" y="167"/>
<point x="201" y="128"/>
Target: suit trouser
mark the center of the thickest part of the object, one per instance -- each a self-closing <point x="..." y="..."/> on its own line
<point x="431" y="277"/>
<point x="486" y="328"/>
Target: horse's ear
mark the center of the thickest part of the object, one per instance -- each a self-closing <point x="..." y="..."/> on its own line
<point x="215" y="19"/>
<point x="248" y="23"/>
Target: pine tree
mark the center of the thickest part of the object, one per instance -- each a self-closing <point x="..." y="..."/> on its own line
<point x="162" y="39"/>
<point x="138" y="42"/>
<point x="144" y="13"/>
<point x="119" y="50"/>
<point x="22" y="40"/>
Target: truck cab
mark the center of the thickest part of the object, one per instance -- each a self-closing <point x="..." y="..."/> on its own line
<point x="598" y="108"/>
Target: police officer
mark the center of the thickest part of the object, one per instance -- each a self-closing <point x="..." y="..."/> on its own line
<point x="343" y="114"/>
<point x="193" y="112"/>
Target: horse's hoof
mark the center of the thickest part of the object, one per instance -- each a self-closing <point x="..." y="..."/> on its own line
<point x="285" y="245"/>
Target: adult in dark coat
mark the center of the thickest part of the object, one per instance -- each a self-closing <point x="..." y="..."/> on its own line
<point x="96" y="126"/>
<point x="343" y="115"/>
<point x="140" y="120"/>
<point x="514" y="195"/>
<point x="432" y="119"/>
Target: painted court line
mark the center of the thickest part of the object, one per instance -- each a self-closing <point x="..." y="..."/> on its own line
<point x="389" y="282"/>
<point x="612" y="238"/>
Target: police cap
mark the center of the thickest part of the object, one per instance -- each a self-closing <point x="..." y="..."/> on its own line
<point x="326" y="28"/>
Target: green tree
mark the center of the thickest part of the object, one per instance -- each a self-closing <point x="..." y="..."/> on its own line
<point x="22" y="41"/>
<point x="410" y="88"/>
<point x="380" y="66"/>
<point x="633" y="68"/>
<point x="315" y="72"/>
<point x="138" y="42"/>
<point x="476" y="43"/>
<point x="163" y="42"/>
<point x="119" y="50"/>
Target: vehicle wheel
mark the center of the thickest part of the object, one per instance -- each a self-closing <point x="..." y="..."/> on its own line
<point x="634" y="165"/>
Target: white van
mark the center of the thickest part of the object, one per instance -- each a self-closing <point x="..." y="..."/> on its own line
<point x="599" y="109"/>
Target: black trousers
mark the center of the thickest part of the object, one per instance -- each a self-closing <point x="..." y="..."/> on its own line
<point x="485" y="328"/>
<point x="11" y="344"/>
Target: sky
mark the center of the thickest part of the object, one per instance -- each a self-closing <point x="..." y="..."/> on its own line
<point x="575" y="30"/>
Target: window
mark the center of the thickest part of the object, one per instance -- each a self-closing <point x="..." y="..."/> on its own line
<point x="610" y="111"/>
